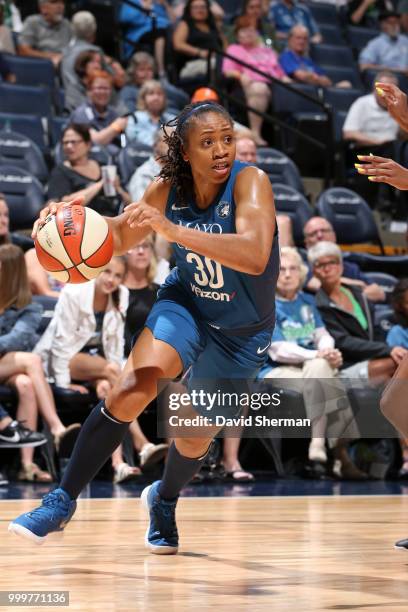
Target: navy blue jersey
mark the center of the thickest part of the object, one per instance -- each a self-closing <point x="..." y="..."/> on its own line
<point x="233" y="301"/>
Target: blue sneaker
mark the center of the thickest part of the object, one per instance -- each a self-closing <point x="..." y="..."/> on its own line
<point x="54" y="513"/>
<point x="161" y="535"/>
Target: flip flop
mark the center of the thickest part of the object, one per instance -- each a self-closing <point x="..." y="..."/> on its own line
<point x="240" y="476"/>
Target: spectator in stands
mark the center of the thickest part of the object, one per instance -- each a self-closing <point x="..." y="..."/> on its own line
<point x="319" y="229"/>
<point x="47" y="34"/>
<point x="246" y="152"/>
<point x="177" y="8"/>
<point x="12" y="16"/>
<point x="145" y="173"/>
<point x="140" y="281"/>
<point x="84" y="35"/>
<point x="287" y="13"/>
<point x="255" y="11"/>
<point x="24" y="242"/>
<point x="141" y="69"/>
<point x="6" y="37"/>
<point x="368" y="123"/>
<point x="138" y="28"/>
<point x="5" y="72"/>
<point x="398" y="334"/>
<point x="366" y="12"/>
<point x="389" y="50"/>
<point x="297" y="64"/>
<point x="85" y="343"/>
<point x="256" y="87"/>
<point x="86" y="63"/>
<point x="194" y="35"/>
<point x="151" y="114"/>
<point x="19" y="367"/>
<point x="14" y="434"/>
<point x="103" y="120"/>
<point x="302" y="352"/>
<point x="348" y="318"/>
<point x="79" y="176"/>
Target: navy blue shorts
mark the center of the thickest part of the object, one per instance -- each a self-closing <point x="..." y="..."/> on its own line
<point x="212" y="354"/>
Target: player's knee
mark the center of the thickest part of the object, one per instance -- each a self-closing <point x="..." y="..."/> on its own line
<point x="133" y="391"/>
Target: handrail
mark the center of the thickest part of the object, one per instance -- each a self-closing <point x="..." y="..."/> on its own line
<point x="273" y="118"/>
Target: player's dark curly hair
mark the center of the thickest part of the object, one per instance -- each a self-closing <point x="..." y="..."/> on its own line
<point x="175" y="169"/>
<point x="397" y="297"/>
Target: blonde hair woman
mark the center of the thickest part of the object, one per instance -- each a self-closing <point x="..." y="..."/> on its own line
<point x="151" y="114"/>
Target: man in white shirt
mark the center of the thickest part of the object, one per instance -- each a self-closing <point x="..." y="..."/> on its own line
<point x="368" y="122"/>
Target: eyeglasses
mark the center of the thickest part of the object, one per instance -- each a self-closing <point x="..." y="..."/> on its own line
<point x="143" y="247"/>
<point x="101" y="89"/>
<point x="322" y="230"/>
<point x="320" y="265"/>
<point x="65" y="143"/>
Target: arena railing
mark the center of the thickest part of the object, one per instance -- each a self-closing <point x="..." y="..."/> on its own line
<point x="271" y="117"/>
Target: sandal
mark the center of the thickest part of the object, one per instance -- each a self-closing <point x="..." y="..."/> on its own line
<point x="30" y="472"/>
<point x="125" y="472"/>
<point x="239" y="476"/>
<point x="152" y="453"/>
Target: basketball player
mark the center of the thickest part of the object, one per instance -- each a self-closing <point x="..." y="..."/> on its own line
<point x="215" y="312"/>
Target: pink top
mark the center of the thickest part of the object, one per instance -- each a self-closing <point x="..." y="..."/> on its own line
<point x="263" y="58"/>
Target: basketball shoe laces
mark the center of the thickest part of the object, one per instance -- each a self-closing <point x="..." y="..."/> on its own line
<point x="164" y="513"/>
<point x="51" y="501"/>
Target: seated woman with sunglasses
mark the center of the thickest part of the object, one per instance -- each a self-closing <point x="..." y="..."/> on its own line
<point x="81" y="176"/>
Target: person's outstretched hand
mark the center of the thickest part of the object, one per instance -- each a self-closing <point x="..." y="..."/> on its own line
<point x="396" y="100"/>
<point x="383" y="170"/>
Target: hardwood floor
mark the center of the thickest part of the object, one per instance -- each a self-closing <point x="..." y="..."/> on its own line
<point x="251" y="553"/>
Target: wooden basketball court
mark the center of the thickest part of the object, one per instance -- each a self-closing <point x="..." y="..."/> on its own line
<point x="239" y="553"/>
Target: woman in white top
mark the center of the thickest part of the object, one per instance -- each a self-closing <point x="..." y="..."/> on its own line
<point x="85" y="343"/>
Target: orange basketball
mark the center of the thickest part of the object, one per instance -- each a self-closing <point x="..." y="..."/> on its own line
<point x="74" y="245"/>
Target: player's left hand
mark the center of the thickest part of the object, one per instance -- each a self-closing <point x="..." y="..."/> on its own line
<point x="142" y="214"/>
<point x="383" y="170"/>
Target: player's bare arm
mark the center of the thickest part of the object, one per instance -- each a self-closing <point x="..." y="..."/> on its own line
<point x="246" y="251"/>
<point x="125" y="234"/>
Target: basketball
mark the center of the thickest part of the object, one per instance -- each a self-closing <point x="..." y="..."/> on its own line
<point x="75" y="244"/>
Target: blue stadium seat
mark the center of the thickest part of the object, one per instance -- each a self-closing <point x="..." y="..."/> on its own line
<point x="287" y="101"/>
<point x="294" y="204"/>
<point x="332" y="34"/>
<point x="339" y="118"/>
<point x="24" y="195"/>
<point x="359" y="37"/>
<point x="354" y="223"/>
<point x="279" y="167"/>
<point x="386" y="281"/>
<point x="48" y="304"/>
<point x="340" y="99"/>
<point x="20" y="98"/>
<point x="132" y="156"/>
<point x="332" y="55"/>
<point x="324" y="13"/>
<point x="29" y="125"/>
<point x="56" y="125"/>
<point x="32" y="70"/>
<point x="18" y="150"/>
<point x="344" y="73"/>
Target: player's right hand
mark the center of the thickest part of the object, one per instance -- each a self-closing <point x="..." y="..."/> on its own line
<point x="51" y="209"/>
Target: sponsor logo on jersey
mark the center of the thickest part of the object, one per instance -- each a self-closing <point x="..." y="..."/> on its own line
<point x="217" y="296"/>
<point x="223" y="209"/>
